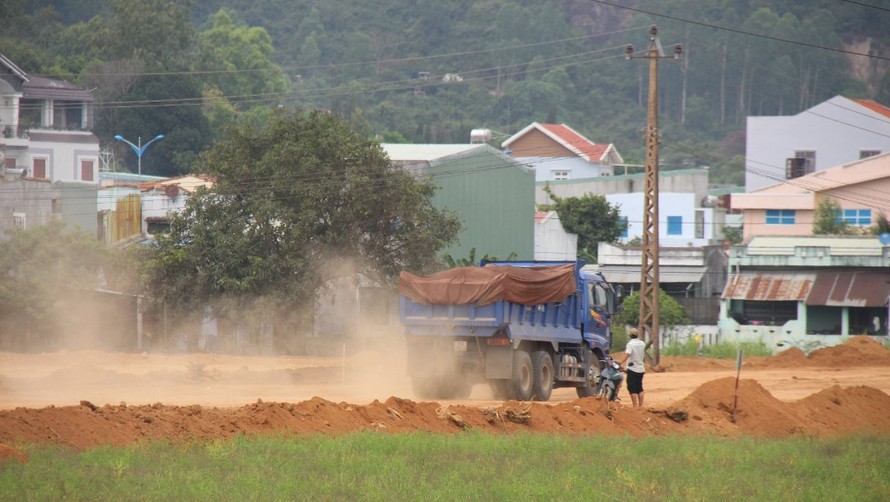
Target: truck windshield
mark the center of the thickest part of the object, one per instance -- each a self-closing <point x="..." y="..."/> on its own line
<point x="599" y="296"/>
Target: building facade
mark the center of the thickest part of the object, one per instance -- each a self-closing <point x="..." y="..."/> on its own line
<point x="806" y="291"/>
<point x="492" y="194"/>
<point x="837" y="131"/>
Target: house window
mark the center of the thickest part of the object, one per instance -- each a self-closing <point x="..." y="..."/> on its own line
<point x="803" y="163"/>
<point x="622" y="224"/>
<point x="39" y="168"/>
<point x="780" y="216"/>
<point x="560" y="175"/>
<point x="86" y="170"/>
<point x="858" y="217"/>
<point x="675" y="225"/>
<point x="18" y="220"/>
<point x="868" y="153"/>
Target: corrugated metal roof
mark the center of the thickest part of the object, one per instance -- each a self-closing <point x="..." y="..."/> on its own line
<point x="425" y="152"/>
<point x="667" y="274"/>
<point x="850" y="289"/>
<point x="769" y="286"/>
<point x="847" y="245"/>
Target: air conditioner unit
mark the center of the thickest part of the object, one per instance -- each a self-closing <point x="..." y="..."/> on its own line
<point x="795" y="167"/>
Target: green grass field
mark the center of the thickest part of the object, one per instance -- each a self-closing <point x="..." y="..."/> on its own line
<point x="471" y="466"/>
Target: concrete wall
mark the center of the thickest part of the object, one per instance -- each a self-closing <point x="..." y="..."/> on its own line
<point x="65" y="151"/>
<point x="682" y="205"/>
<point x="552" y="242"/>
<point x="157" y="204"/>
<point x="693" y="181"/>
<point x="31" y="199"/>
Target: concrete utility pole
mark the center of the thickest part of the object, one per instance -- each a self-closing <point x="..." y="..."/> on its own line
<point x="649" y="281"/>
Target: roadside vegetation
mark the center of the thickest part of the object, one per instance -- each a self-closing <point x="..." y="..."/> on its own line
<point x="722" y="350"/>
<point x="471" y="466"/>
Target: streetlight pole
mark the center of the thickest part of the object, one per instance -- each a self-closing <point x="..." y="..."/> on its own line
<point x="139" y="149"/>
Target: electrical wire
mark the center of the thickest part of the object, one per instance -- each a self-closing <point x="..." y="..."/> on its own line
<point x="476" y="169"/>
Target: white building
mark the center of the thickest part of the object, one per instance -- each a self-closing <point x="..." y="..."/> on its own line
<point x="45" y="127"/>
<point x="831" y="133"/>
<point x="681" y="221"/>
<point x="552" y="242"/>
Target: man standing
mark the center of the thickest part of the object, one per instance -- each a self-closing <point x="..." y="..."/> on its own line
<point x="633" y="355"/>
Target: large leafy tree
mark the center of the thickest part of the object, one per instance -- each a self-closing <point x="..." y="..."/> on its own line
<point x="591" y="217"/>
<point x="237" y="61"/>
<point x="297" y="201"/>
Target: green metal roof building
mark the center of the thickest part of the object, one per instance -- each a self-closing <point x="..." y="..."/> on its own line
<point x="493" y="195"/>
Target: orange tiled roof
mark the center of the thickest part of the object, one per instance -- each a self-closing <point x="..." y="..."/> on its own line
<point x="874" y="106"/>
<point x="189" y="183"/>
<point x="575" y="141"/>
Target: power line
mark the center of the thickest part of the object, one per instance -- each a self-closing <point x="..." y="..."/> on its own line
<point x="742" y="32"/>
<point x="885" y="9"/>
<point x="482" y="70"/>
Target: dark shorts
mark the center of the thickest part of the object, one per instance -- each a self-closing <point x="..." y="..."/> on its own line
<point x="634" y="382"/>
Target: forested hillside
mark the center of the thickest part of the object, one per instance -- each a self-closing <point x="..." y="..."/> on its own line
<point x="432" y="70"/>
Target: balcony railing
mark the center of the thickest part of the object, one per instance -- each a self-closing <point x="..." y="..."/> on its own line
<point x="10" y="132"/>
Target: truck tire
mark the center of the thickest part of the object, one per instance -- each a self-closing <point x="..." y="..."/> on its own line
<point x="588" y="389"/>
<point x="523" y="376"/>
<point x="542" y="375"/>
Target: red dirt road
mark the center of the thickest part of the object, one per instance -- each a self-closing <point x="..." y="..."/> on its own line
<point x="85" y="399"/>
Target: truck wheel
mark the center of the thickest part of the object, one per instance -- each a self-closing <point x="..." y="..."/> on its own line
<point x="521" y="383"/>
<point x="588" y="389"/>
<point x="542" y="373"/>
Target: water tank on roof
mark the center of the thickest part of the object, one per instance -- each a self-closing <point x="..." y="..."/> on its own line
<point x="710" y="201"/>
<point x="480" y="136"/>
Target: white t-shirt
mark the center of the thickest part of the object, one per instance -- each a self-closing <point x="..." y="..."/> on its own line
<point x="637" y="349"/>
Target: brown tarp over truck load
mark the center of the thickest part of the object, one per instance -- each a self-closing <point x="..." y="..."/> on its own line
<point x="484" y="285"/>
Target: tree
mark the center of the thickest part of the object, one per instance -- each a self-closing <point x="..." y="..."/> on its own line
<point x="670" y="312"/>
<point x="470" y="260"/>
<point x="238" y="59"/>
<point x="41" y="267"/>
<point x="828" y="219"/>
<point x="591" y="217"/>
<point x="159" y="33"/>
<point x="296" y="202"/>
<point x="735" y="235"/>
<point x="185" y="128"/>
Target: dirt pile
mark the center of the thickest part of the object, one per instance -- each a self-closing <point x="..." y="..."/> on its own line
<point x="828" y="409"/>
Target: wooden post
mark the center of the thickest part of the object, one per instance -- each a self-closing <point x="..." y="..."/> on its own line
<point x="738" y="371"/>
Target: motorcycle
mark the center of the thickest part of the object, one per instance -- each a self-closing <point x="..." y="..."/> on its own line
<point x="608" y="382"/>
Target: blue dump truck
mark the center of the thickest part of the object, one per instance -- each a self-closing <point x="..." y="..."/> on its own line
<point x="525" y="328"/>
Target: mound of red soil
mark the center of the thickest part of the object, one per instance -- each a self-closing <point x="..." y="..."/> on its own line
<point x="856" y="350"/>
<point x="752" y="410"/>
<point x="707" y="410"/>
<point x="717" y="407"/>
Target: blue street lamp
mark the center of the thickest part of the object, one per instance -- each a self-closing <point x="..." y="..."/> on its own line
<point x="140" y="149"/>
